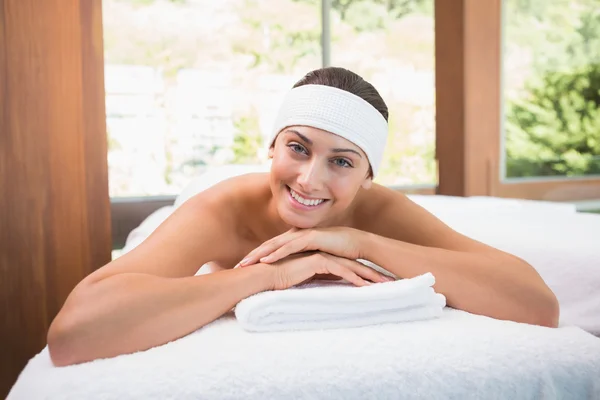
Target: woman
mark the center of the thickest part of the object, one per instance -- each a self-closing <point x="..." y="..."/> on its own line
<point x="315" y="213"/>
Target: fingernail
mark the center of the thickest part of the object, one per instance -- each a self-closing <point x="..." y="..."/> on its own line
<point x="265" y="259"/>
<point x="368" y="283"/>
<point x="389" y="278"/>
<point x="244" y="261"/>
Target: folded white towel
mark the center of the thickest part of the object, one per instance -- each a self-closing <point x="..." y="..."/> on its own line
<point x="330" y="305"/>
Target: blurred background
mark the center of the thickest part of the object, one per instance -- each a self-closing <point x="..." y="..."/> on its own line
<point x="196" y="84"/>
<point x="110" y="108"/>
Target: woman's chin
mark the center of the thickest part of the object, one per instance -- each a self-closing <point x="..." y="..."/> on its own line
<point x="298" y="221"/>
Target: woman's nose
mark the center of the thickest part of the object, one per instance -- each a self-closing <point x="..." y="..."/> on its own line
<point x="311" y="177"/>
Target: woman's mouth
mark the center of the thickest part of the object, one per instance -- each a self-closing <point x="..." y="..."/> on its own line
<point x="304" y="203"/>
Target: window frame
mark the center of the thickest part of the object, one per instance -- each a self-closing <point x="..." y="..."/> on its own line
<point x="469" y="111"/>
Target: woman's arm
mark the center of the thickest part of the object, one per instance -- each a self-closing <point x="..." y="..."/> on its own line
<point x="473" y="277"/>
<point x="131" y="312"/>
<point x="408" y="240"/>
<point x="150" y="295"/>
<point x="402" y="237"/>
<point x="488" y="283"/>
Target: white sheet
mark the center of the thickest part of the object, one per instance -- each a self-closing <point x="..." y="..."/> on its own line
<point x="458" y="356"/>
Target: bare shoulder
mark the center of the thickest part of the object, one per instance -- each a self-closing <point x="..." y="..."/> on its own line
<point x="377" y="204"/>
<point x="233" y="199"/>
<point x="235" y="191"/>
<point x="392" y="214"/>
<point x="206" y="228"/>
<point x="227" y="206"/>
<point x="387" y="212"/>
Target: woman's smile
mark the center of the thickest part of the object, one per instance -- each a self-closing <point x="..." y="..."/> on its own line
<point x="303" y="203"/>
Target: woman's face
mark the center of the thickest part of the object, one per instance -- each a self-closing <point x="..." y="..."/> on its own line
<point x="315" y="175"/>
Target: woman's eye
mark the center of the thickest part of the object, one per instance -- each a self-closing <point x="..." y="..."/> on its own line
<point x="297" y="148"/>
<point x="341" y="162"/>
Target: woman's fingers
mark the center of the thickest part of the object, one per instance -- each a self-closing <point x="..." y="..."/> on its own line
<point x="328" y="265"/>
<point x="296" y="245"/>
<point x="267" y="248"/>
<point x="303" y="267"/>
<point x="361" y="269"/>
<point x="327" y="277"/>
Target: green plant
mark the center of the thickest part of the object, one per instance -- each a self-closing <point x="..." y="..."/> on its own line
<point x="555" y="130"/>
<point x="553" y="126"/>
<point x="112" y="143"/>
<point x="247" y="140"/>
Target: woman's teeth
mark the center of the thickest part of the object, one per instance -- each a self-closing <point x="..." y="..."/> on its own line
<point x="304" y="201"/>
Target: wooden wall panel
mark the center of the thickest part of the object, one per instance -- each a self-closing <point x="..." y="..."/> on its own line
<point x="94" y="125"/>
<point x="467" y="52"/>
<point x="450" y="106"/>
<point x="54" y="208"/>
<point x="569" y="189"/>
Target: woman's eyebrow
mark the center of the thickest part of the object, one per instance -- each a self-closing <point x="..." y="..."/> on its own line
<point x="336" y="150"/>
<point x="346" y="150"/>
<point x="301" y="136"/>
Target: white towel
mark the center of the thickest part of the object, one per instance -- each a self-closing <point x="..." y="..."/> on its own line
<point x="331" y="305"/>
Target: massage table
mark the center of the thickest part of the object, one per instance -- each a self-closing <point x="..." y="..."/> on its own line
<point x="456" y="356"/>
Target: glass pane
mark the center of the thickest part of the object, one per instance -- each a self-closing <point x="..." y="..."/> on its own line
<point x="193" y="85"/>
<point x="551" y="87"/>
<point x="391" y="45"/>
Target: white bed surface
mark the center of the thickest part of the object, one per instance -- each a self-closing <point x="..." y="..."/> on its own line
<point x="458" y="356"/>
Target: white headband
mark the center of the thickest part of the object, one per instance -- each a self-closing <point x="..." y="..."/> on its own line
<point x="336" y="111"/>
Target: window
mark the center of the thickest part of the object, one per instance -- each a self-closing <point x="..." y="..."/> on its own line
<point x="194" y="85"/>
<point x="551" y="88"/>
<point x="391" y="44"/>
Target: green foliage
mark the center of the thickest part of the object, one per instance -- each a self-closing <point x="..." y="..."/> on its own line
<point x="112" y="143"/>
<point x="140" y="2"/>
<point x="365" y="17"/>
<point x="247" y="140"/>
<point x="168" y="168"/>
<point x="150" y="2"/>
<point x="405" y="162"/>
<point x="287" y="45"/>
<point x="553" y="128"/>
<point x="556" y="129"/>
<point x="252" y="38"/>
<point x="370" y="15"/>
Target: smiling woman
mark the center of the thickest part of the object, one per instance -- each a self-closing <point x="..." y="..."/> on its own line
<point x="316" y="212"/>
<point x="318" y="182"/>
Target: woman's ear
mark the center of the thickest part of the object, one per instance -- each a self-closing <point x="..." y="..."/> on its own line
<point x="270" y="153"/>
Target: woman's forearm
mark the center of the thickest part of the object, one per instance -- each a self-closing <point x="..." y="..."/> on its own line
<point x="130" y="312"/>
<point x="496" y="285"/>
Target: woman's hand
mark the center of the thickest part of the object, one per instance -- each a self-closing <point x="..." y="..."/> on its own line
<point x="339" y="241"/>
<point x="300" y="268"/>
